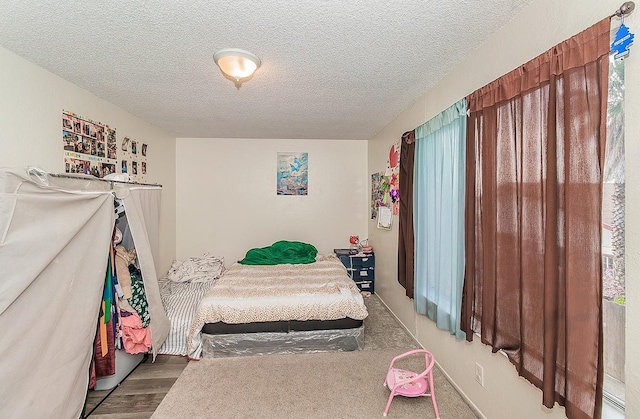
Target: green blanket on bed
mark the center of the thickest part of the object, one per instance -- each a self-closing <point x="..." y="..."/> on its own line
<point x="281" y="252"/>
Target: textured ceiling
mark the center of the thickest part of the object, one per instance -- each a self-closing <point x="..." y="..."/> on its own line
<point x="330" y="69"/>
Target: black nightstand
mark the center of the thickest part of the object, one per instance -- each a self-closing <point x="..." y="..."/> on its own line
<point x="360" y="266"/>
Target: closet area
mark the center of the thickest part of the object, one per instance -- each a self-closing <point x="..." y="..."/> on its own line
<point x="80" y="306"/>
<point x="123" y="336"/>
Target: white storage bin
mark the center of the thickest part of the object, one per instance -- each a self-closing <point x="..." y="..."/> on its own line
<point x="125" y="363"/>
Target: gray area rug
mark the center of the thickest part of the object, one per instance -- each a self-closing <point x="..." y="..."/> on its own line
<point x="382" y="330"/>
<point x="316" y="385"/>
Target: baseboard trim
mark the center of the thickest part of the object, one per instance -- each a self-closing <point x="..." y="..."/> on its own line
<point x="447" y="376"/>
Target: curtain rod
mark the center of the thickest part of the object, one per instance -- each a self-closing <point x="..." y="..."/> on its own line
<point x="626" y="9"/>
<point x="102" y="180"/>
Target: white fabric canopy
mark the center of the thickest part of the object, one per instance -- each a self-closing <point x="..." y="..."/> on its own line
<point x="142" y="205"/>
<point x="54" y="242"/>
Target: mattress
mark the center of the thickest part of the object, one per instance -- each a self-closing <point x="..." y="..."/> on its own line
<point x="253" y="298"/>
<point x="222" y="328"/>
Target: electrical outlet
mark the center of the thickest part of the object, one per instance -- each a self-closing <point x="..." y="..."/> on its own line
<point x="479" y="374"/>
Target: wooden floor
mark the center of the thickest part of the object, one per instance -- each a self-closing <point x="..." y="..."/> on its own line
<point x="139" y="395"/>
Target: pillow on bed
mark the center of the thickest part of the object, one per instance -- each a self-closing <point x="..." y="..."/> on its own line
<point x="281" y="252"/>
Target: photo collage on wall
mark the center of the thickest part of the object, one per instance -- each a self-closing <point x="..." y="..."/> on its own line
<point x="134" y="159"/>
<point x="385" y="186"/>
<point x="392" y="175"/>
<point x="89" y="146"/>
<point x="377" y="193"/>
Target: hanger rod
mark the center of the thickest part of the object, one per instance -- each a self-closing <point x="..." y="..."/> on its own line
<point x="101" y="180"/>
<point x="624" y="10"/>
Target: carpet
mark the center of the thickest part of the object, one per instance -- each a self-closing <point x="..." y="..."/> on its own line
<point x="315" y="385"/>
<point x="320" y="385"/>
<point x="382" y="330"/>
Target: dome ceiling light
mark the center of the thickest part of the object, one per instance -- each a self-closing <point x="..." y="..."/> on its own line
<point x="236" y="64"/>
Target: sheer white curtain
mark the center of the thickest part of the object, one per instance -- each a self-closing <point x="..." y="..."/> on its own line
<point x="439" y="175"/>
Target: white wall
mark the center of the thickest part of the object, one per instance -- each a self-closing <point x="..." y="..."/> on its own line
<point x="543" y="24"/>
<point x="227" y="202"/>
<point x="31" y="104"/>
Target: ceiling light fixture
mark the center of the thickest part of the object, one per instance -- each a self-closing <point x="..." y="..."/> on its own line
<point x="236" y="64"/>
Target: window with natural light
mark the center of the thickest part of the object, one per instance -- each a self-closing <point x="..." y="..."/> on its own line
<point x="613" y="206"/>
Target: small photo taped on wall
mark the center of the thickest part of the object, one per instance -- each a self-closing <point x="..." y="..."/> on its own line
<point x="134" y="167"/>
<point x="107" y="168"/>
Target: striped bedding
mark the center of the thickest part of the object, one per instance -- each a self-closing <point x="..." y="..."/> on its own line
<point x="249" y="293"/>
<point x="180" y="300"/>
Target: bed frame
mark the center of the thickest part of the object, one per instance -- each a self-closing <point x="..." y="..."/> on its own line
<point x="309" y="338"/>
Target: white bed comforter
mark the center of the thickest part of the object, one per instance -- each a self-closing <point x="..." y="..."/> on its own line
<point x="247" y="293"/>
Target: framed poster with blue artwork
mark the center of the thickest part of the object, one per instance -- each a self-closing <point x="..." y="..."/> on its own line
<point x="293" y="173"/>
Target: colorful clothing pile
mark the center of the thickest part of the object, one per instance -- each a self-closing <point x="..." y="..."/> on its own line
<point x="136" y="338"/>
<point x="124" y="314"/>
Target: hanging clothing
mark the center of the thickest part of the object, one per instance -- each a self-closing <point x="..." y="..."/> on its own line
<point x="123" y="259"/>
<point x="138" y="298"/>
<point x="106" y="306"/>
<point x="107" y="296"/>
<point x="135" y="337"/>
<point x="105" y="363"/>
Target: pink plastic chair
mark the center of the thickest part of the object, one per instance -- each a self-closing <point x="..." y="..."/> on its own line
<point x="411" y="384"/>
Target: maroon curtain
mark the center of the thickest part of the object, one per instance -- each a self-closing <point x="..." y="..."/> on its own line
<point x="533" y="278"/>
<point x="405" y="217"/>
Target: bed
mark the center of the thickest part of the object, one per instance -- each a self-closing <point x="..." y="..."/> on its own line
<point x="181" y="290"/>
<point x="180" y="300"/>
<point x="280" y="308"/>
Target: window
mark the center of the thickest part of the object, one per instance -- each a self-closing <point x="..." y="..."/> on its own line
<point x="438" y="209"/>
<point x="607" y="262"/>
<point x="613" y="206"/>
<point x="533" y="288"/>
